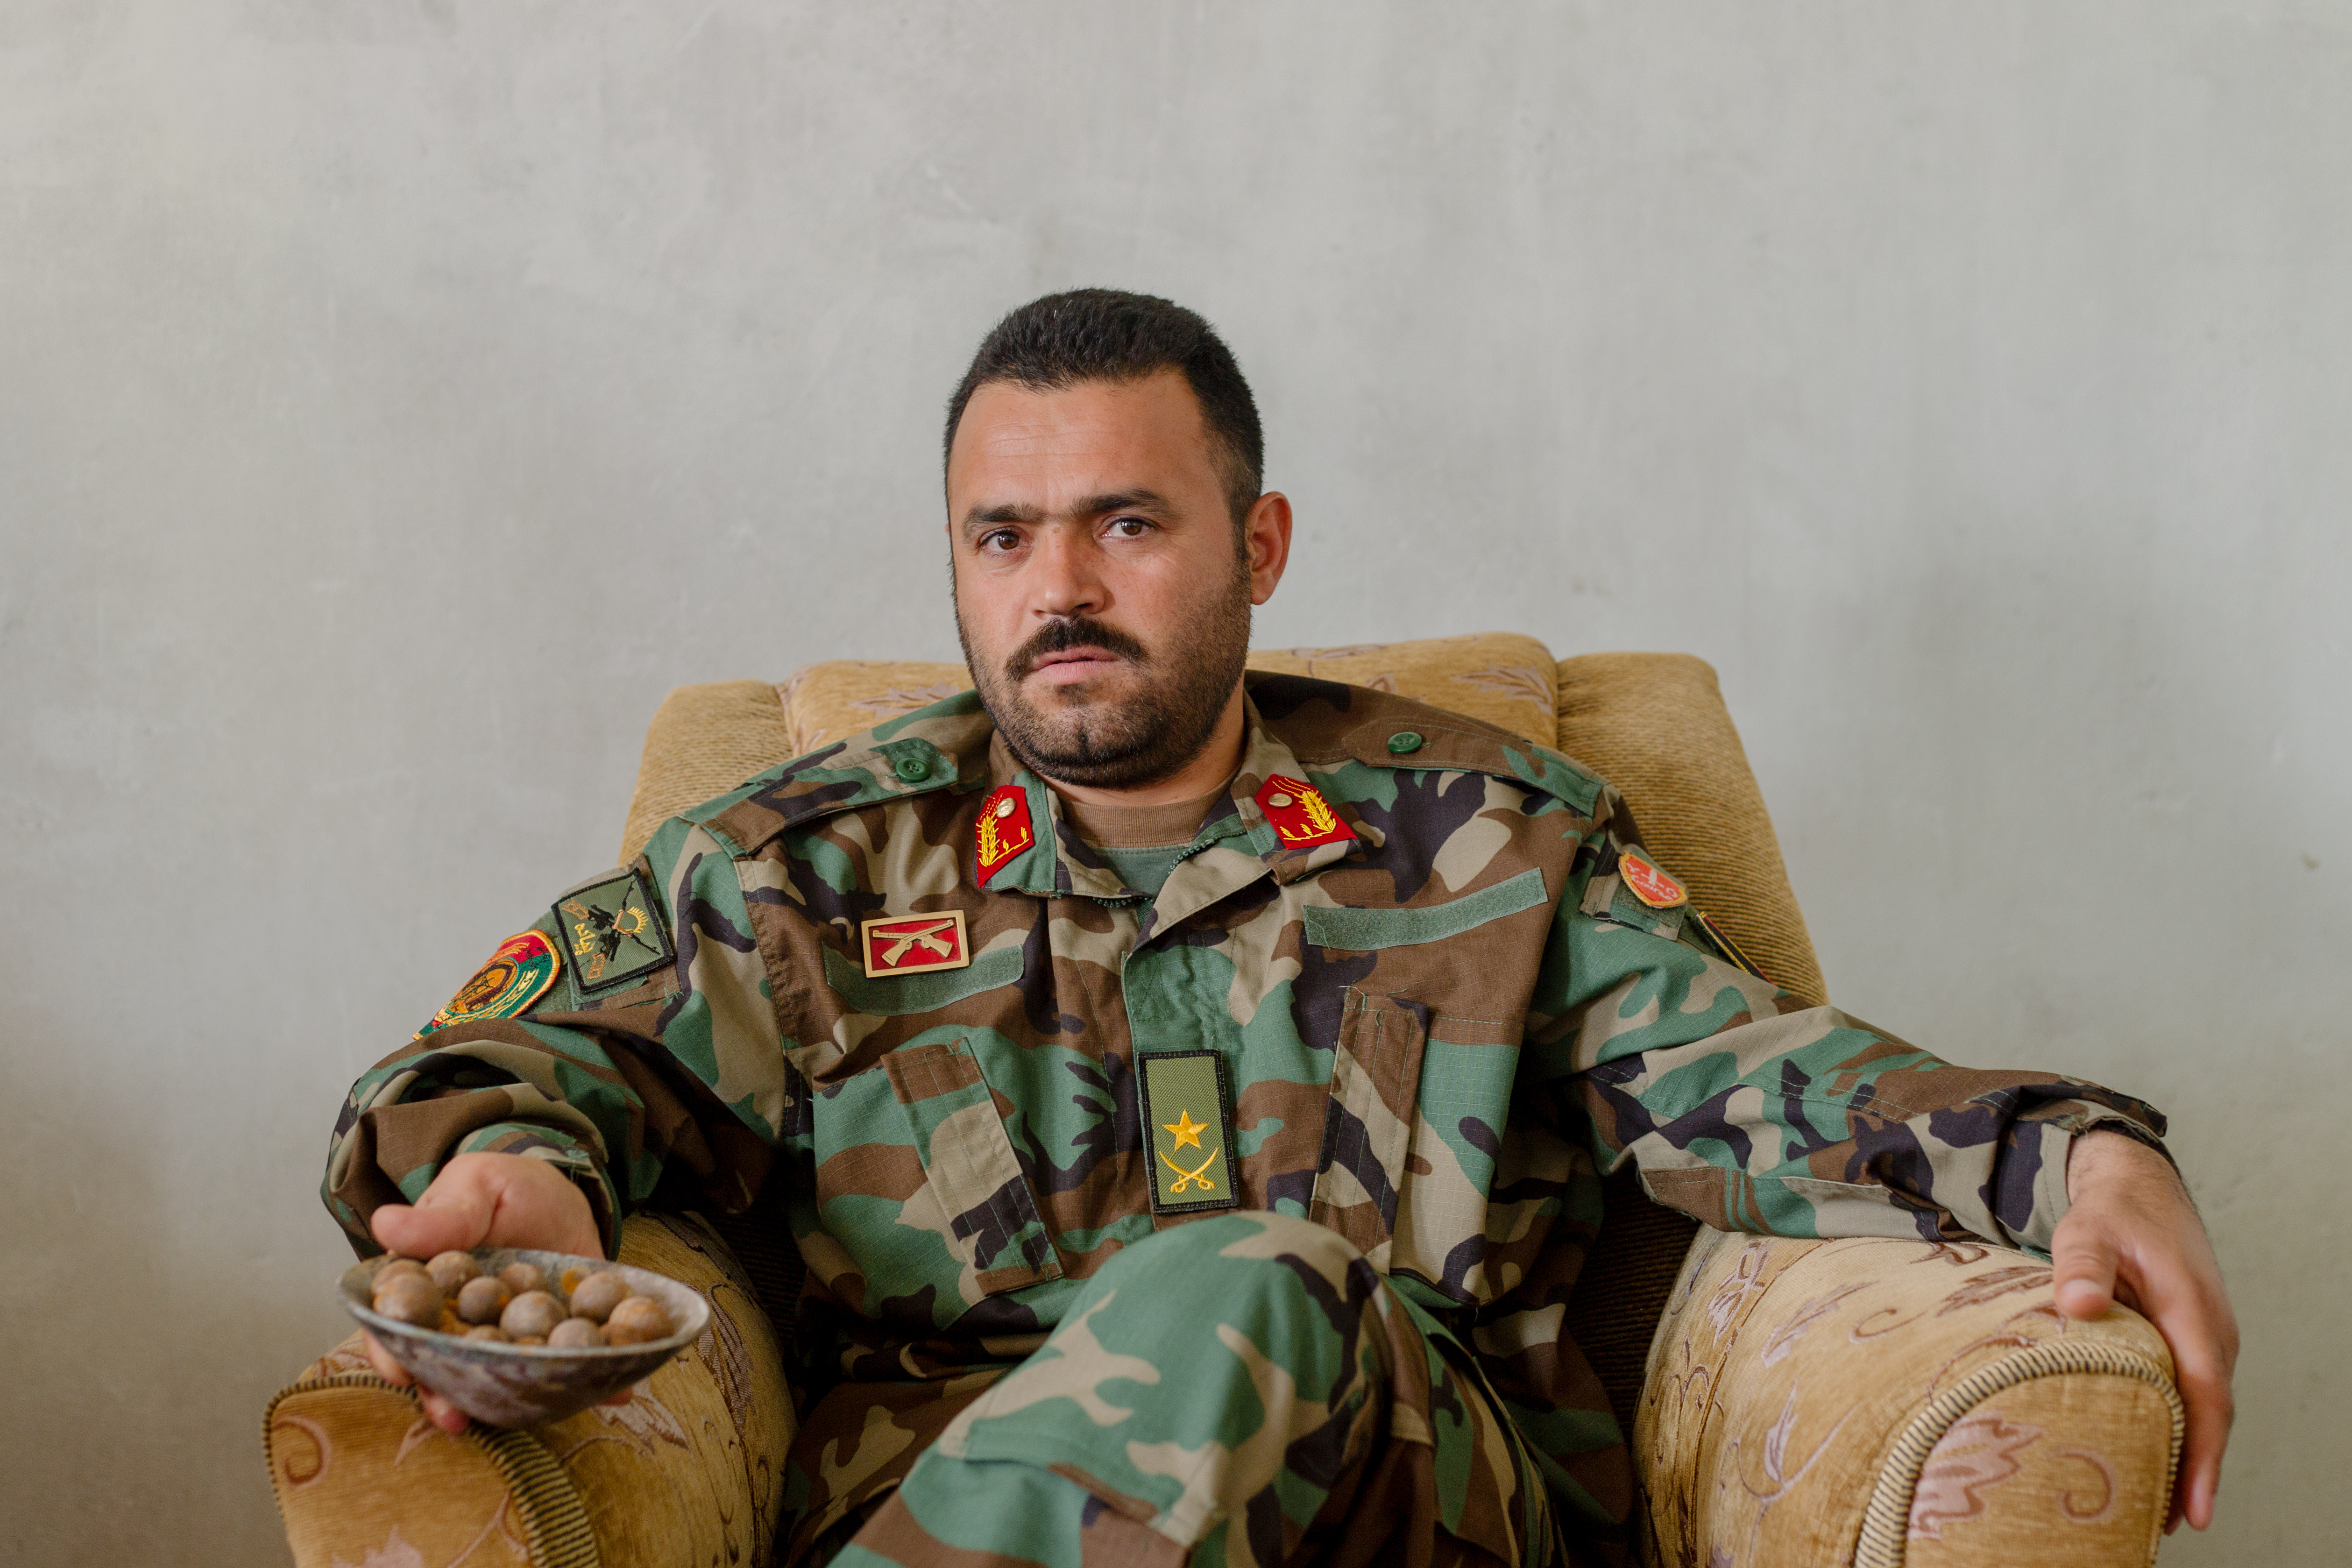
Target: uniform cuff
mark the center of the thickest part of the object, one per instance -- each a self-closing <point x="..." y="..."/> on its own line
<point x="2032" y="1181"/>
<point x="567" y="1155"/>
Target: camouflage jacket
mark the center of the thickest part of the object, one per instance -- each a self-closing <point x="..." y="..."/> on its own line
<point x="1436" y="983"/>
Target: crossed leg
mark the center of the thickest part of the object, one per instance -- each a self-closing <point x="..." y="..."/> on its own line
<point x="1241" y="1390"/>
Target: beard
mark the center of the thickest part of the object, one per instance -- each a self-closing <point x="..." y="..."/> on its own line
<point x="1098" y="743"/>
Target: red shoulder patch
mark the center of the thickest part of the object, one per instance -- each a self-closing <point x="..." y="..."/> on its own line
<point x="1649" y="884"/>
<point x="1003" y="830"/>
<point x="1302" y="818"/>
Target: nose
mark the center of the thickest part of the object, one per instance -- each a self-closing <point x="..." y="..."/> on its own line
<point x="1065" y="574"/>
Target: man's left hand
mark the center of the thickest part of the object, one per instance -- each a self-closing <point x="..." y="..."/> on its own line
<point x="2131" y="1235"/>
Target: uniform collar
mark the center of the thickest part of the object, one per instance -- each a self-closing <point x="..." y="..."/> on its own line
<point x="1236" y="846"/>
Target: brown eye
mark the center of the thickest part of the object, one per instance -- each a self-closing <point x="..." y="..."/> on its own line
<point x="1129" y="527"/>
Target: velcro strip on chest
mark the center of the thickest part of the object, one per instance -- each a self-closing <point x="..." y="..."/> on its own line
<point x="613" y="932"/>
<point x="1188" y="1125"/>
<point x="1363" y="931"/>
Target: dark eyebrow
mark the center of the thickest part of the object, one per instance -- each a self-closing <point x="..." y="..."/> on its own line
<point x="1123" y="500"/>
<point x="1138" y="500"/>
<point x="978" y="519"/>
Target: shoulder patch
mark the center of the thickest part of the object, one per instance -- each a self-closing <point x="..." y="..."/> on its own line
<point x="516" y="976"/>
<point x="1646" y="882"/>
<point x="613" y="932"/>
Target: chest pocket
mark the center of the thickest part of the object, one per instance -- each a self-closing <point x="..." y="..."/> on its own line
<point x="982" y="1202"/>
<point x="1417" y="1115"/>
<point x="1368" y="1124"/>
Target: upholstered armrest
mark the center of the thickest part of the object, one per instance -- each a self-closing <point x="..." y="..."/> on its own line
<point x="690" y="1471"/>
<point x="1884" y="1401"/>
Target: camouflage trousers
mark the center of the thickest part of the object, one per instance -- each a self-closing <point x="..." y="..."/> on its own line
<point x="1241" y="1390"/>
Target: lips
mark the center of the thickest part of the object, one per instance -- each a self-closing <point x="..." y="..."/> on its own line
<point x="1071" y="661"/>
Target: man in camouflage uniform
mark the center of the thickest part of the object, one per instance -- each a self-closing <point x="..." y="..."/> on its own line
<point x="1191" y="1091"/>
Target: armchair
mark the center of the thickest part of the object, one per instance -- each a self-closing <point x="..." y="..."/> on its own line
<point x="1867" y="1402"/>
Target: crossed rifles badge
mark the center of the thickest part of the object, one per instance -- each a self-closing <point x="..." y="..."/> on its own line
<point x="913" y="944"/>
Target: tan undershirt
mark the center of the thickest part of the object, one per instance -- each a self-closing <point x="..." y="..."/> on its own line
<point x="1140" y="826"/>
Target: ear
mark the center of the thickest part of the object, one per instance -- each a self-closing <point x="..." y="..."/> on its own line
<point x="1265" y="539"/>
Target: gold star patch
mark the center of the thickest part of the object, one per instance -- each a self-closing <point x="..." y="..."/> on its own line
<point x="1188" y="1132"/>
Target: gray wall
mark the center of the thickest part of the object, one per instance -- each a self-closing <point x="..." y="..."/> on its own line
<point x="396" y="400"/>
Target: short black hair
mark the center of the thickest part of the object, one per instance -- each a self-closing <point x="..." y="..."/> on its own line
<point x="1106" y="335"/>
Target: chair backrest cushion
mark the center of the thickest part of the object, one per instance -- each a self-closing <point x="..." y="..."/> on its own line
<point x="1654" y="725"/>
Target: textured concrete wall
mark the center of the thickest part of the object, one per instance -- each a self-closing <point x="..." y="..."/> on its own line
<point x="396" y="399"/>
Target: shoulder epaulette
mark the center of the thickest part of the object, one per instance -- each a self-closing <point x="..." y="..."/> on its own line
<point x="943" y="746"/>
<point x="1327" y="723"/>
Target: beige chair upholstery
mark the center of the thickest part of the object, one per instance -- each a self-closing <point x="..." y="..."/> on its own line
<point x="1871" y="1402"/>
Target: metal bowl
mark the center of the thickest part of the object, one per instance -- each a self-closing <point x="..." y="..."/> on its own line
<point x="527" y="1386"/>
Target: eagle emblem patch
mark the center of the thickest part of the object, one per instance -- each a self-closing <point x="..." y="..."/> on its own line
<point x="516" y="976"/>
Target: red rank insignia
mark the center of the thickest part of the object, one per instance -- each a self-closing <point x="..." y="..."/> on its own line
<point x="1302" y="818"/>
<point x="913" y="944"/>
<point x="1649" y="884"/>
<point x="1003" y="829"/>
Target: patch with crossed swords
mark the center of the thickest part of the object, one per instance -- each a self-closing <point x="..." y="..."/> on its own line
<point x="1187" y="1105"/>
<point x="913" y="944"/>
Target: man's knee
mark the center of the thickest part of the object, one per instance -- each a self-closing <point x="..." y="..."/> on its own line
<point x="1268" y="1247"/>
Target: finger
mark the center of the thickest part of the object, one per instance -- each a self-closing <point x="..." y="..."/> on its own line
<point x="2082" y="1268"/>
<point x="440" y="1412"/>
<point x="2202" y="1334"/>
<point x="437" y="1410"/>
<point x="453" y="1214"/>
<point x="439" y="1222"/>
<point x="532" y="1203"/>
<point x="391" y="1371"/>
<point x="2206" y="1396"/>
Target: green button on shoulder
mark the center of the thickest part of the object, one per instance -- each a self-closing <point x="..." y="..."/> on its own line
<point x="1404" y="741"/>
<point x="912" y="769"/>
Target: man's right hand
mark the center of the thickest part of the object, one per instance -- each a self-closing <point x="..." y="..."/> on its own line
<point x="482" y="1200"/>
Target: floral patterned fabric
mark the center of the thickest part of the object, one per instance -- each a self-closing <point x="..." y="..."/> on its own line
<point x="1786" y="1375"/>
<point x="688" y="1471"/>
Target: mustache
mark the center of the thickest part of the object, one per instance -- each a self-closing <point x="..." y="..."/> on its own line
<point x="1072" y="631"/>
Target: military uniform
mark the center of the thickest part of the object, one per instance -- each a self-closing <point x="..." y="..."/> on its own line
<point x="1220" y="1220"/>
